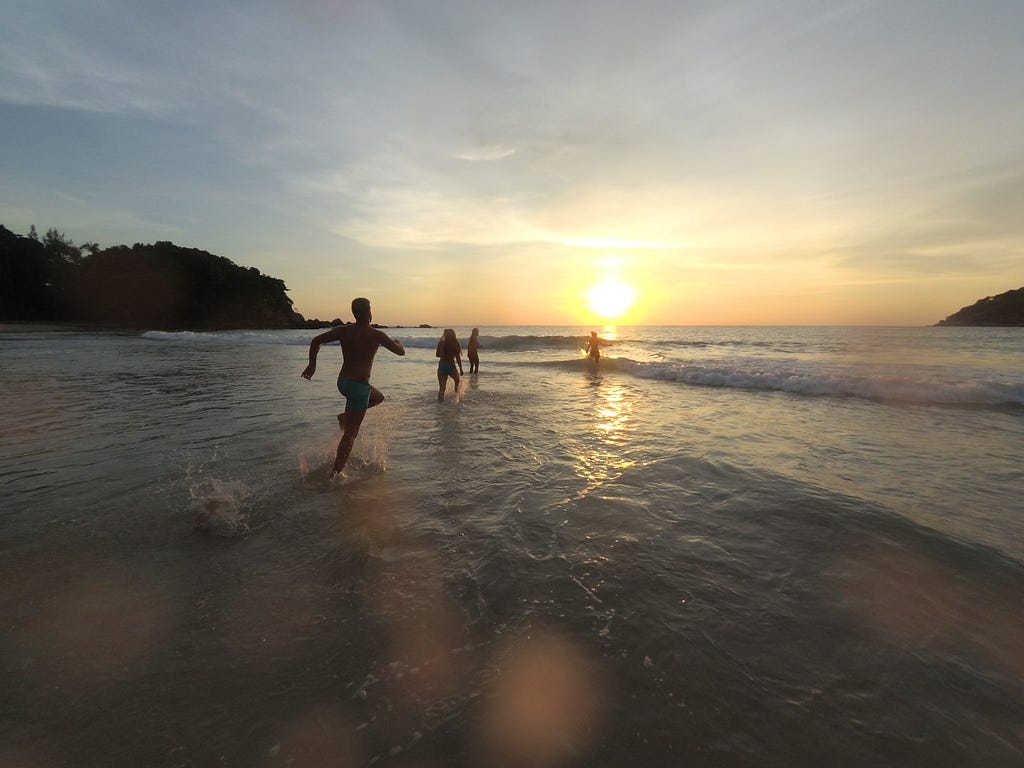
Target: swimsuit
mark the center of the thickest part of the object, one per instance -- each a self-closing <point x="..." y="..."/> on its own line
<point x="357" y="393"/>
<point x="448" y="369"/>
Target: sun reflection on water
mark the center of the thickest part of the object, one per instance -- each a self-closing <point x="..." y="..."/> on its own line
<point x="602" y="456"/>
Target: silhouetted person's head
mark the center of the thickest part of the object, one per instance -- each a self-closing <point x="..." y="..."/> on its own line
<point x="593" y="334"/>
<point x="449" y="335"/>
<point x="361" y="309"/>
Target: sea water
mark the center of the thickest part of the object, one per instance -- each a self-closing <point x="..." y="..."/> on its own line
<point x="718" y="547"/>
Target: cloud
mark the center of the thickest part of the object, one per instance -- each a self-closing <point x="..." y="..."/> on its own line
<point x="59" y="71"/>
<point x="486" y="154"/>
<point x="972" y="223"/>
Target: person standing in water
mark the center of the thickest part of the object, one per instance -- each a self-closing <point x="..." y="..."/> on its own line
<point x="472" y="353"/>
<point x="359" y="344"/>
<point x="594" y="347"/>
<point x="450" y="352"/>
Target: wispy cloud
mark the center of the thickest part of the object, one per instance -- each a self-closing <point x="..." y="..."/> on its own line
<point x="486" y="154"/>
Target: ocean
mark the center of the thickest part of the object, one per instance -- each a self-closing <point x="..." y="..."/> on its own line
<point x="720" y="547"/>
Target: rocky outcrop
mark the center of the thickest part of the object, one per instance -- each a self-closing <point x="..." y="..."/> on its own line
<point x="1006" y="309"/>
<point x="145" y="286"/>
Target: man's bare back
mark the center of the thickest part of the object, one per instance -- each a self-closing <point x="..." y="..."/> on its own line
<point x="359" y="345"/>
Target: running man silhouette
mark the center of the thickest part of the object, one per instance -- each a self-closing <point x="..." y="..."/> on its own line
<point x="359" y="344"/>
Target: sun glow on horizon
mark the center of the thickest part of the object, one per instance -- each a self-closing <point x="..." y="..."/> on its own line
<point x="610" y="298"/>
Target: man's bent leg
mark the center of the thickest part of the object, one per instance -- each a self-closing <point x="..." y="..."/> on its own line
<point x="376" y="397"/>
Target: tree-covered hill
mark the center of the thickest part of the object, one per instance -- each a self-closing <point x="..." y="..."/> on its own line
<point x="155" y="286"/>
<point x="1004" y="309"/>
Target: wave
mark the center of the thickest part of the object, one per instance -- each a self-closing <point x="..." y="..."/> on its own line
<point x="873" y="385"/>
<point x="869" y="385"/>
<point x="539" y="343"/>
<point x="492" y="343"/>
<point x="512" y="343"/>
<point x="961" y="387"/>
<point x="231" y="337"/>
<point x="421" y="343"/>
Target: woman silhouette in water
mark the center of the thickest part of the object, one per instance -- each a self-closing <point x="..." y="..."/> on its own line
<point x="594" y="347"/>
<point x="450" y="352"/>
<point x="471" y="351"/>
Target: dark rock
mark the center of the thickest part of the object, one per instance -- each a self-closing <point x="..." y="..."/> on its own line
<point x="1006" y="309"/>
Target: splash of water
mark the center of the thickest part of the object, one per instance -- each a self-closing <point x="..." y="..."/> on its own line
<point x="369" y="454"/>
<point x="220" y="507"/>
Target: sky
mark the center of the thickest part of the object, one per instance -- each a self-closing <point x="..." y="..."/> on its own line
<point x="467" y="162"/>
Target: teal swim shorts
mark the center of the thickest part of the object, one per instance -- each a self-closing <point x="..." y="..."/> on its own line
<point x="448" y="369"/>
<point x="357" y="393"/>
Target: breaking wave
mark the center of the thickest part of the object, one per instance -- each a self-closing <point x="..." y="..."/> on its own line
<point x="255" y="338"/>
<point x="911" y="387"/>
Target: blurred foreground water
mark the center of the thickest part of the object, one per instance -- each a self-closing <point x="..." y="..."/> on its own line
<point x="722" y="547"/>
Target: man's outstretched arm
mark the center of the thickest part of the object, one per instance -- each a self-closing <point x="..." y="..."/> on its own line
<point x="314" y="349"/>
<point x="394" y="345"/>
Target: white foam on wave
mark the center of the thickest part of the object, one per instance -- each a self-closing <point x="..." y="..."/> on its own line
<point x="872" y="385"/>
<point x="417" y="343"/>
<point x="256" y="338"/>
<point x="510" y="343"/>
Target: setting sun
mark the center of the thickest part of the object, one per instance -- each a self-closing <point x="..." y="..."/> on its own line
<point x="610" y="299"/>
